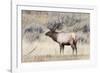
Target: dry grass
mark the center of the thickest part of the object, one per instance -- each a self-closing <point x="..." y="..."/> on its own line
<point x="48" y="50"/>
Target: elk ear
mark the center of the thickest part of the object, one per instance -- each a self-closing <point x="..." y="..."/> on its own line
<point x="52" y="30"/>
<point x="46" y="33"/>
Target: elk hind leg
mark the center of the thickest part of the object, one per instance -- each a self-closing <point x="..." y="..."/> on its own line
<point x="73" y="48"/>
<point x="76" y="49"/>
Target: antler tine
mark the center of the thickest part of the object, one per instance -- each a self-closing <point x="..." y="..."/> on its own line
<point x="50" y="26"/>
<point x="61" y="19"/>
<point x="55" y="26"/>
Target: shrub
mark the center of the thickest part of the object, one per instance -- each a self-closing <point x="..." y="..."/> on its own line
<point x="33" y="32"/>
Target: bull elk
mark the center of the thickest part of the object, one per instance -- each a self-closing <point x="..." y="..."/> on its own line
<point x="63" y="38"/>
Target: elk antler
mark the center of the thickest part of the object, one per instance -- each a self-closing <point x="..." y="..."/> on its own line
<point x="55" y="24"/>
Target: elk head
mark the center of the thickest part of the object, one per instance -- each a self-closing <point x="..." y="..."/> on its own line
<point x="52" y="27"/>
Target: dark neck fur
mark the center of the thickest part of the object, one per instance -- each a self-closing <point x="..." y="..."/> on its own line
<point x="54" y="36"/>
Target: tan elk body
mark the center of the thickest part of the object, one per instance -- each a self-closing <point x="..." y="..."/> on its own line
<point x="63" y="37"/>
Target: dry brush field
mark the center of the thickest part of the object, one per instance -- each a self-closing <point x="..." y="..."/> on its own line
<point x="37" y="47"/>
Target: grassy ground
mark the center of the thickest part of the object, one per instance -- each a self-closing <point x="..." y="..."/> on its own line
<point x="48" y="50"/>
<point x="54" y="58"/>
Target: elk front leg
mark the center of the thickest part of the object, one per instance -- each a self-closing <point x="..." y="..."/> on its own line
<point x="61" y="48"/>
